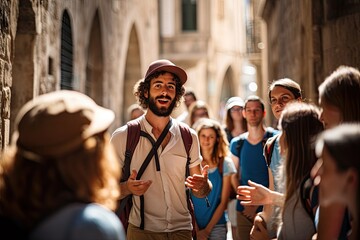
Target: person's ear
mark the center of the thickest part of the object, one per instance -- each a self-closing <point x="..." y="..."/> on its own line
<point x="243" y="113"/>
<point x="146" y="93"/>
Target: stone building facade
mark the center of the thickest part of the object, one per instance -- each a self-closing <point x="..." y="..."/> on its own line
<point x="97" y="47"/>
<point x="102" y="48"/>
<point x="217" y="49"/>
<point x="307" y="40"/>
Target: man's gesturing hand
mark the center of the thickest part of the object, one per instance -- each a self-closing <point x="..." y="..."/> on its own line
<point x="199" y="184"/>
<point x="137" y="187"/>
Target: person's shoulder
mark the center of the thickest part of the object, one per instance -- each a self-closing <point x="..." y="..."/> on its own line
<point x="228" y="160"/>
<point x="88" y="221"/>
<point x="183" y="125"/>
<point x="122" y="131"/>
<point x="272" y="131"/>
<point x="228" y="166"/>
<point x="241" y="137"/>
<point x="273" y="138"/>
<point x="237" y="142"/>
<point x="119" y="134"/>
<point x="95" y="211"/>
<point x="97" y="222"/>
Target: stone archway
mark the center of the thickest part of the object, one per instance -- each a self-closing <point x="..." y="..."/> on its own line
<point x="23" y="64"/>
<point x="132" y="72"/>
<point x="95" y="63"/>
<point x="227" y="90"/>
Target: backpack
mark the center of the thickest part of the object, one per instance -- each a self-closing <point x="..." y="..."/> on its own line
<point x="133" y="136"/>
<point x="268" y="135"/>
<point x="269" y="148"/>
<point x="309" y="197"/>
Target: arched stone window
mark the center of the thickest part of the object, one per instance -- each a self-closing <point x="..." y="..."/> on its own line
<point x="66" y="53"/>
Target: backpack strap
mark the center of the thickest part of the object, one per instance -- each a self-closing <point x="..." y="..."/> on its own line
<point x="132" y="139"/>
<point x="187" y="140"/>
<point x="269" y="148"/>
<point x="269" y="133"/>
<point x="153" y="150"/>
<point x="133" y="136"/>
<point x="309" y="196"/>
<point x="239" y="145"/>
<point x="146" y="162"/>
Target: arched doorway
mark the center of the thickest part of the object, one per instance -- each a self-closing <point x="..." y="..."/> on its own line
<point x="23" y="65"/>
<point x="132" y="72"/>
<point x="227" y="91"/>
<point x="94" y="67"/>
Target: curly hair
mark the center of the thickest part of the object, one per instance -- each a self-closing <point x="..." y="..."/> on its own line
<point x="143" y="86"/>
<point x="30" y="190"/>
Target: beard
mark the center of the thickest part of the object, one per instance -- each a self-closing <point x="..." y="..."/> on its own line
<point x="161" y="111"/>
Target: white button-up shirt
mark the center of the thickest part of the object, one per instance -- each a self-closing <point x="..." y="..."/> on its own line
<point x="165" y="201"/>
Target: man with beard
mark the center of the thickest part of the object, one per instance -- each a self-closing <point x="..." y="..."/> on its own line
<point x="163" y="184"/>
<point x="247" y="154"/>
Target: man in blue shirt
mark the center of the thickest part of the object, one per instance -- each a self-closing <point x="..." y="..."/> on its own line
<point x="247" y="154"/>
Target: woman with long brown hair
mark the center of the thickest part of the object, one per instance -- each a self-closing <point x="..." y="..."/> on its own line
<point x="60" y="177"/>
<point x="211" y="219"/>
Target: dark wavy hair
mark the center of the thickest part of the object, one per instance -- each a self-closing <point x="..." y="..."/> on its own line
<point x="143" y="86"/>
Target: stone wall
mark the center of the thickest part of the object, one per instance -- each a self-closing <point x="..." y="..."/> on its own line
<point x="309" y="39"/>
<point x="103" y="66"/>
<point x="8" y="12"/>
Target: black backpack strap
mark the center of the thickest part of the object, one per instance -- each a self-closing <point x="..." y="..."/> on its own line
<point x="269" y="132"/>
<point x="146" y="162"/>
<point x="133" y="137"/>
<point x="239" y="146"/>
<point x="153" y="151"/>
<point x="308" y="199"/>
